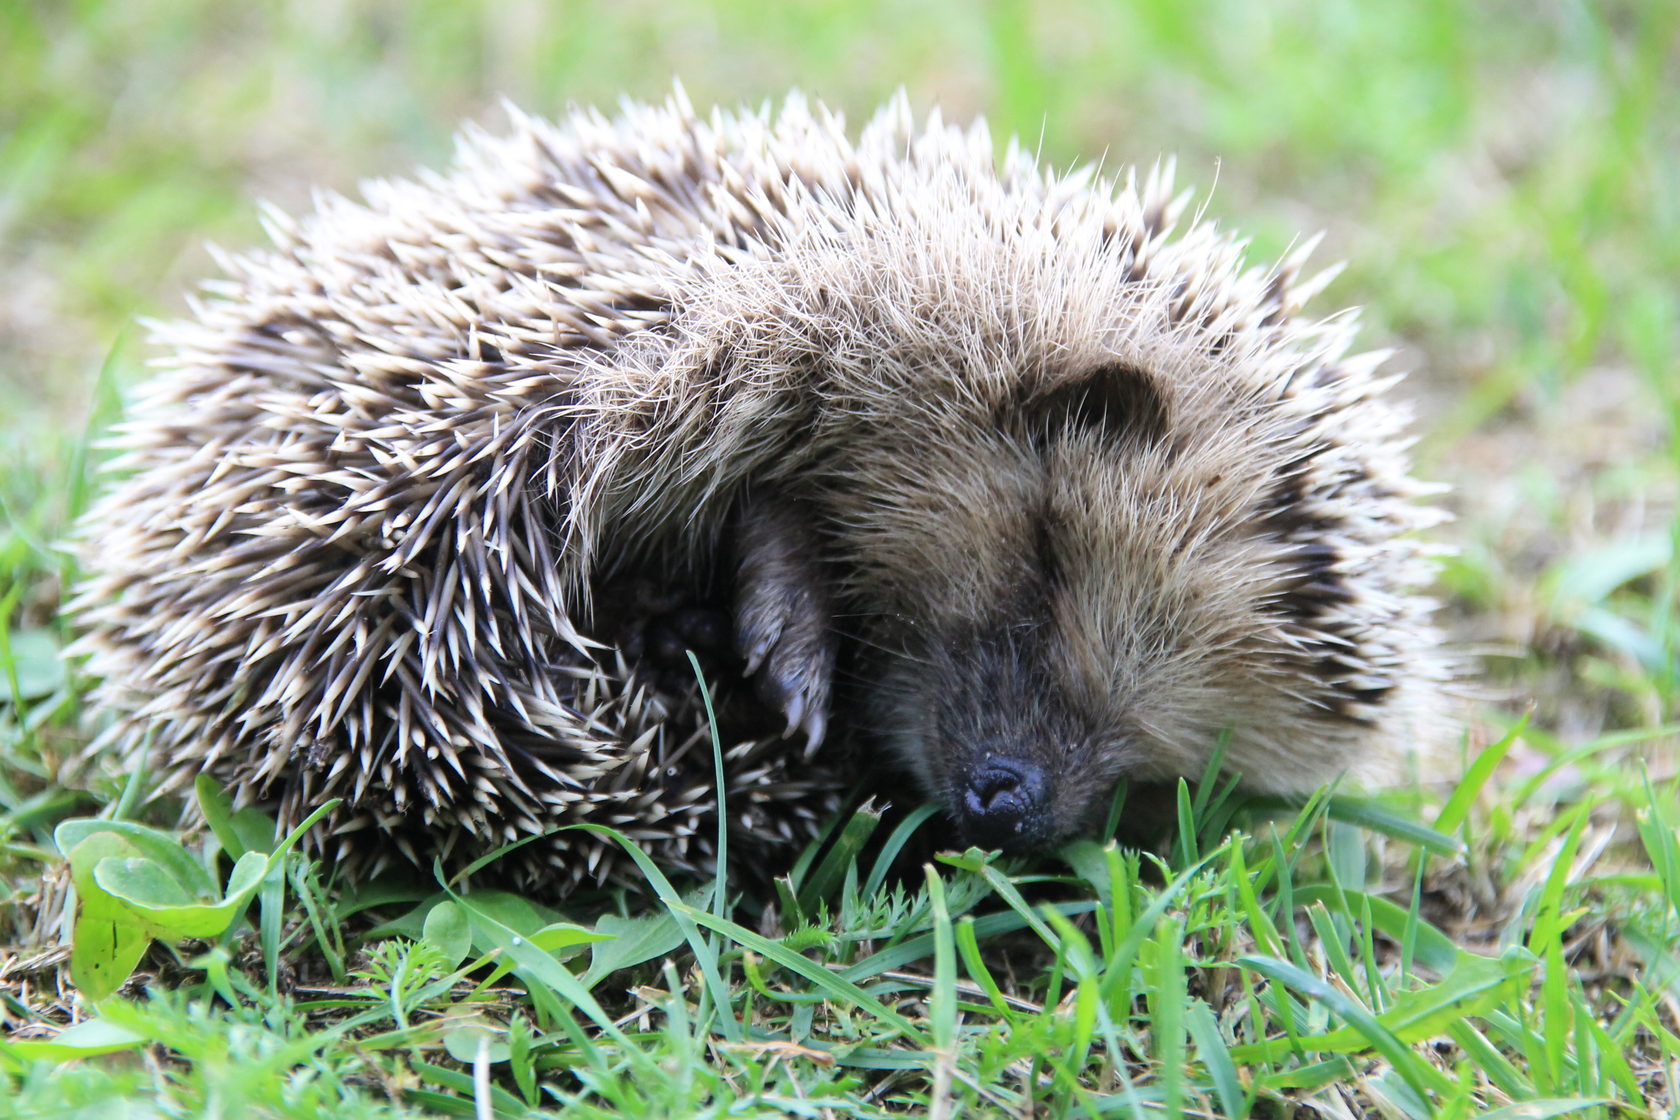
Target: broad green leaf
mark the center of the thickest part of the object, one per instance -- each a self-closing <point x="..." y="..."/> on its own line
<point x="516" y="912"/>
<point x="248" y="873"/>
<point x="630" y="941"/>
<point x="238" y="831"/>
<point x="134" y="883"/>
<point x="103" y="954"/>
<point x="141" y="882"/>
<point x="162" y="907"/>
<point x="466" y="1040"/>
<point x="149" y="843"/>
<point x="106" y="943"/>
<point x="38" y="663"/>
<point x="449" y="932"/>
<point x="565" y="935"/>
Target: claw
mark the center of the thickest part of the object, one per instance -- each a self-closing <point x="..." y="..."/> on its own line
<point x="816" y="723"/>
<point x="795" y="713"/>
<point x="761" y="649"/>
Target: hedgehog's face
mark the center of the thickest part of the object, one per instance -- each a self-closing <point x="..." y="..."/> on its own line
<point x="984" y="723"/>
<point x="1024" y="624"/>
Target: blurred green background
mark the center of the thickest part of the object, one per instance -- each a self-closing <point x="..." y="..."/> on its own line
<point x="1503" y="179"/>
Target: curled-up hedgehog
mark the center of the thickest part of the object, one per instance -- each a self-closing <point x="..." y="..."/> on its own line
<point x="1013" y="481"/>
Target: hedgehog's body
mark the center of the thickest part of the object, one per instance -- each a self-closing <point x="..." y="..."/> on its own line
<point x="1054" y="497"/>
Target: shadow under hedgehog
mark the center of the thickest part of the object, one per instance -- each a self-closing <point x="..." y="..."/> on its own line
<point x="1009" y="479"/>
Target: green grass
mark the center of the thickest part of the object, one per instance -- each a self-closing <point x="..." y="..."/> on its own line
<point x="1504" y="181"/>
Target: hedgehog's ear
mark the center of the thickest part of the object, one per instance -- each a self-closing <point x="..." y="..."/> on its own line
<point x="1116" y="401"/>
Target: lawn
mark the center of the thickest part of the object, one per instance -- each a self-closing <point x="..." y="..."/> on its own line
<point x="1500" y="936"/>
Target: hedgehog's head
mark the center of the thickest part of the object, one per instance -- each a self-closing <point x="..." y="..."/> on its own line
<point x="1012" y="616"/>
<point x="1081" y="500"/>
<point x="1059" y="579"/>
<point x="1050" y="594"/>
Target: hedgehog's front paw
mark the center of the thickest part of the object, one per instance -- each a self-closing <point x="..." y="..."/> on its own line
<point x="782" y="614"/>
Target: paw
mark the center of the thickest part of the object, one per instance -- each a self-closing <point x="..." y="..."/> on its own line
<point x="783" y="620"/>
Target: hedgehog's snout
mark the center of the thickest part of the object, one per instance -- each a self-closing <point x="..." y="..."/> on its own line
<point x="1003" y="805"/>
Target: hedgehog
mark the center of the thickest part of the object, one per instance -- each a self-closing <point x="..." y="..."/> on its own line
<point x="954" y="472"/>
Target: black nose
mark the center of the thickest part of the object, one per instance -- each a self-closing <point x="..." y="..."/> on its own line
<point x="1003" y="805"/>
